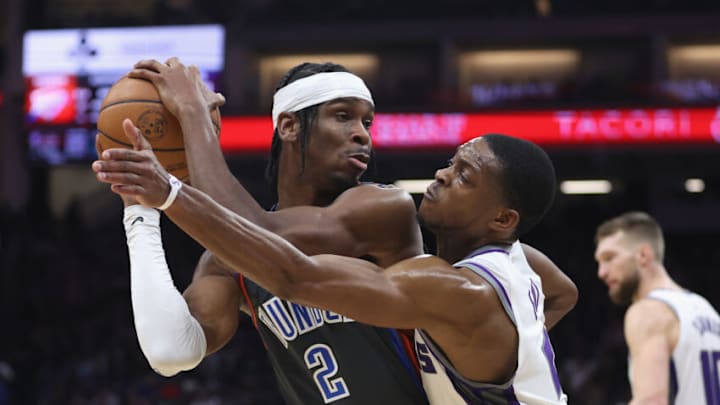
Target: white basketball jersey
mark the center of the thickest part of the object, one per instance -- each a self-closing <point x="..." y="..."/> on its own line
<point x="695" y="360"/>
<point x="520" y="291"/>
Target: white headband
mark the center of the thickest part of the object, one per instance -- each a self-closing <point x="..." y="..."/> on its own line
<point x="316" y="89"/>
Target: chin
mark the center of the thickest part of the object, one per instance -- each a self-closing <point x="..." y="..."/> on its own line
<point x="620" y="298"/>
<point x="343" y="183"/>
<point x="426" y="219"/>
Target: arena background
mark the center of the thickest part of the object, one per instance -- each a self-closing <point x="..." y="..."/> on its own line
<point x="66" y="333"/>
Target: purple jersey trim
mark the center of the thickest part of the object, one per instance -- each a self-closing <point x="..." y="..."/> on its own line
<point x="488" y="249"/>
<point x="550" y="355"/>
<point x="673" y="383"/>
<point x="483" y="272"/>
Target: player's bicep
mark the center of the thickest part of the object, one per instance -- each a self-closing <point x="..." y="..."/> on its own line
<point x="646" y="330"/>
<point x="410" y="294"/>
<point x="649" y="371"/>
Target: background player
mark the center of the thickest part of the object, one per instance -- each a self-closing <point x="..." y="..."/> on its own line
<point x="673" y="335"/>
<point x="481" y="332"/>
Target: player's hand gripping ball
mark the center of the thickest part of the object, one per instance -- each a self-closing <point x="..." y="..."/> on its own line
<point x="139" y="100"/>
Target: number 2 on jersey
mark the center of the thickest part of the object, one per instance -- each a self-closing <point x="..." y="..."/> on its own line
<point x="320" y="358"/>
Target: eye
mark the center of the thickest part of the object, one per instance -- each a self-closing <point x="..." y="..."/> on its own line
<point x="367" y="123"/>
<point x="464" y="177"/>
<point x="606" y="258"/>
<point x="342" y="116"/>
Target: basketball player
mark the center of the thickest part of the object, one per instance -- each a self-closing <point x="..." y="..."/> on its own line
<point x="480" y="333"/>
<point x="673" y="335"/>
<point x="319" y="152"/>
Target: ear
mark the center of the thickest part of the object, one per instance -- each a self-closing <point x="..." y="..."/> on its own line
<point x="645" y="254"/>
<point x="288" y="127"/>
<point x="506" y="220"/>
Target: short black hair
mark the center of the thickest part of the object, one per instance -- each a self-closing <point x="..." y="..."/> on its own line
<point x="527" y="178"/>
<point x="307" y="117"/>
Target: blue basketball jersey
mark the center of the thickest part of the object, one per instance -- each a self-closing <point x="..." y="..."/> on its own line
<point x="320" y="357"/>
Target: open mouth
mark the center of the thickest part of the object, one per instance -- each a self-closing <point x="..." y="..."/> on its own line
<point x="359" y="160"/>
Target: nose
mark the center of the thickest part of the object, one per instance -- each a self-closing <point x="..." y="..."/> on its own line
<point x="361" y="135"/>
<point x="602" y="271"/>
<point x="441" y="175"/>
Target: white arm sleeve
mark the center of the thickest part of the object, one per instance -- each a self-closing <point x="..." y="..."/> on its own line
<point x="171" y="339"/>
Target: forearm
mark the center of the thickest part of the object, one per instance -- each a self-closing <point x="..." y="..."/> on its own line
<point x="242" y="246"/>
<point x="170" y="338"/>
<point x="561" y="293"/>
<point x="554" y="315"/>
<point x="560" y="302"/>
<point x="208" y="170"/>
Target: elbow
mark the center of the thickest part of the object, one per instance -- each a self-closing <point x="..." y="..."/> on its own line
<point x="295" y="282"/>
<point x="566" y="298"/>
<point x="571" y="296"/>
<point x="170" y="348"/>
<point x="169" y="361"/>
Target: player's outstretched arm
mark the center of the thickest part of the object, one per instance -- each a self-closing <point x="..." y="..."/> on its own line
<point x="406" y="295"/>
<point x="651" y="331"/>
<point x="412" y="293"/>
<point x="560" y="292"/>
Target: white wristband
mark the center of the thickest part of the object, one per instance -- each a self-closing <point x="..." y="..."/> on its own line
<point x="175" y="186"/>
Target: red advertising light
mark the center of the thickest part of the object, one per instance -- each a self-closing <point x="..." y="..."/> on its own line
<point x="548" y="127"/>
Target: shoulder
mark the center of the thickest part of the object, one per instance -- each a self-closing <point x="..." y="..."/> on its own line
<point x="373" y="210"/>
<point x="491" y="263"/>
<point x="649" y="310"/>
<point x="381" y="220"/>
<point x="375" y="193"/>
<point x="648" y="317"/>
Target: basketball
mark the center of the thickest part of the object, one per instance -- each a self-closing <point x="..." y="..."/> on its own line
<point x="139" y="100"/>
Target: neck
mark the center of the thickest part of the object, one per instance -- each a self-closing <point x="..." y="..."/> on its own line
<point x="659" y="278"/>
<point x="454" y="248"/>
<point x="295" y="187"/>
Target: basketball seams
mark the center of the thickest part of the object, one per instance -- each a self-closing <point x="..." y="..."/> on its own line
<point x="113" y="139"/>
<point x="151" y="104"/>
<point x="130" y="146"/>
<point x="139" y="100"/>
